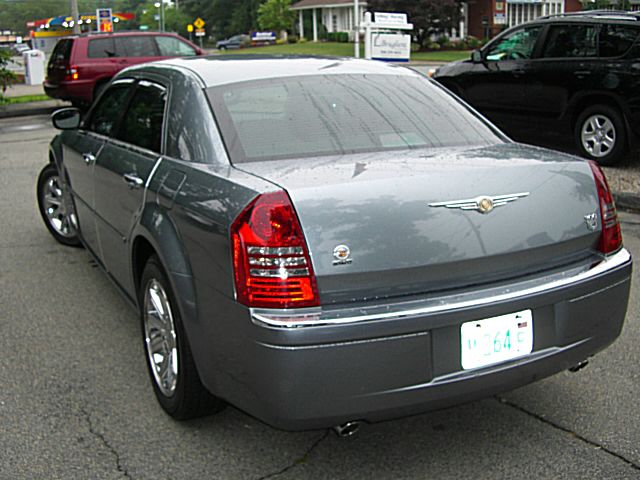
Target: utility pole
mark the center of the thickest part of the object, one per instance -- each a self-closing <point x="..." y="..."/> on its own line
<point x="75" y="16"/>
<point x="356" y="27"/>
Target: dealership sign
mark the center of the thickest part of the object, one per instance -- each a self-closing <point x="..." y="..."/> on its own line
<point x="386" y="38"/>
<point x="391" y="46"/>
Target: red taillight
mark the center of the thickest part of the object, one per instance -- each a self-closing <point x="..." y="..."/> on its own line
<point x="611" y="236"/>
<point x="72" y="73"/>
<point x="270" y="257"/>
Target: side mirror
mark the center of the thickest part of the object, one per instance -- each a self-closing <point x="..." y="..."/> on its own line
<point x="476" y="56"/>
<point x="66" y="118"/>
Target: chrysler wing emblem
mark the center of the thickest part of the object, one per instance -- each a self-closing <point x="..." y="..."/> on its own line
<point x="483" y="203"/>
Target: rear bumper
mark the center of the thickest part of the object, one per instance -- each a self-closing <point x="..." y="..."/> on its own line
<point x="315" y="368"/>
<point x="78" y="90"/>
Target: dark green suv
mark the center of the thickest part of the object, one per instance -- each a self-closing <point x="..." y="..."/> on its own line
<point x="574" y="74"/>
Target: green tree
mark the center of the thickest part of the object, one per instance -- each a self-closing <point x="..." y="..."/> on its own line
<point x="429" y="17"/>
<point x="174" y="20"/>
<point x="276" y="15"/>
<point x="6" y="75"/>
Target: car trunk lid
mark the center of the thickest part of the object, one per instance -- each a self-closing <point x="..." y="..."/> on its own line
<point x="393" y="224"/>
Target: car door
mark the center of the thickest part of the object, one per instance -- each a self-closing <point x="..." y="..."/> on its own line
<point x="81" y="149"/>
<point x="497" y="84"/>
<point x="568" y="64"/>
<point x="121" y="172"/>
<point x="134" y="49"/>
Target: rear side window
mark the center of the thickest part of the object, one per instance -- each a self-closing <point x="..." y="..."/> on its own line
<point x="616" y="40"/>
<point x="567" y="41"/>
<point x="142" y="124"/>
<point x="101" y="48"/>
<point x="190" y="127"/>
<point x="173" y="47"/>
<point x="62" y="51"/>
<point x="107" y="112"/>
<point x="136" y="46"/>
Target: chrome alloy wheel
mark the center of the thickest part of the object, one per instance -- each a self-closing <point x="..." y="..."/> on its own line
<point x="160" y="337"/>
<point x="58" y="209"/>
<point x="598" y="135"/>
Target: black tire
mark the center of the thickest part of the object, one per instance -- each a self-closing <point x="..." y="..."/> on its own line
<point x="185" y="397"/>
<point x="56" y="207"/>
<point x="605" y="126"/>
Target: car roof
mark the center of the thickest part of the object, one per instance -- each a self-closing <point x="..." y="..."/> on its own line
<point x="215" y="70"/>
<point x="127" y="33"/>
<point x="598" y="16"/>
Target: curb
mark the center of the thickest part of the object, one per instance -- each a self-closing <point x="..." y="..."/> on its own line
<point x="627" y="200"/>
<point x="31" y="108"/>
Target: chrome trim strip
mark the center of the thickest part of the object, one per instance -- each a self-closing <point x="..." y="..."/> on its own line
<point x="152" y="173"/>
<point x="313" y="317"/>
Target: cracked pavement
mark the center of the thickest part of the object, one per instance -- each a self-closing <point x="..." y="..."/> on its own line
<point x="75" y="400"/>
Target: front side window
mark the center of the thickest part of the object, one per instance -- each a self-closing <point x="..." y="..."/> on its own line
<point x="316" y="115"/>
<point x="571" y="41"/>
<point x="517" y="45"/>
<point x="142" y="123"/>
<point x="616" y="40"/>
<point x="172" y="47"/>
<point x="107" y="112"/>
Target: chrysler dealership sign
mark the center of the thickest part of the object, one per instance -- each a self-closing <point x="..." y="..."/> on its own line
<point x="391" y="46"/>
<point x="385" y="39"/>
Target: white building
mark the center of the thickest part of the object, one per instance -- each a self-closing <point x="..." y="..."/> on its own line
<point x="335" y="15"/>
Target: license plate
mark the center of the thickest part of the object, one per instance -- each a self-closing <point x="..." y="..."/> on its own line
<point x="497" y="339"/>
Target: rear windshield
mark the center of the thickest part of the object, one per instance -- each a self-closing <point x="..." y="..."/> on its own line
<point x="339" y="114"/>
<point x="62" y="51"/>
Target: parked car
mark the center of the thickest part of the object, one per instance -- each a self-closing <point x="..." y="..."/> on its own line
<point x="80" y="67"/>
<point x="572" y="74"/>
<point x="237" y="41"/>
<point x="327" y="241"/>
<point x="19" y="48"/>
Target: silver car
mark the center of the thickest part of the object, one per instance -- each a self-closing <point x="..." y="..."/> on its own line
<point x="324" y="241"/>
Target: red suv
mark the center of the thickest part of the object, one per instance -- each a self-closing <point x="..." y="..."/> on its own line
<point x="81" y="66"/>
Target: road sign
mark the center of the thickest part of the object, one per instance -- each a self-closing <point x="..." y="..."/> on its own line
<point x="200" y="32"/>
<point x="189" y="28"/>
<point x="198" y="23"/>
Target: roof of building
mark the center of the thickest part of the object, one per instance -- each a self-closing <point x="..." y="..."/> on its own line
<point x="306" y="4"/>
<point x="216" y="70"/>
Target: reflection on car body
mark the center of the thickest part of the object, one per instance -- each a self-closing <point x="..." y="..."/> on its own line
<point x="282" y="226"/>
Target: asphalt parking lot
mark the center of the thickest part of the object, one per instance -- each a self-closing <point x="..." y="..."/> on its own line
<point x="76" y="401"/>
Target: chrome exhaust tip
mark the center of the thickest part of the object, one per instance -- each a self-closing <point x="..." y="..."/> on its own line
<point x="579" y="366"/>
<point x="348" y="429"/>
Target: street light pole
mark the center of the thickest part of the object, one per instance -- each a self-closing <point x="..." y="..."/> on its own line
<point x="162" y="13"/>
<point x="157" y="5"/>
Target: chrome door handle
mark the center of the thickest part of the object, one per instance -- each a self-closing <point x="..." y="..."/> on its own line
<point x="133" y="180"/>
<point x="582" y="73"/>
<point x="89" y="158"/>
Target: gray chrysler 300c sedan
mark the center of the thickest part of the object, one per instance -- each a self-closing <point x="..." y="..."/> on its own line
<point x="321" y="241"/>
